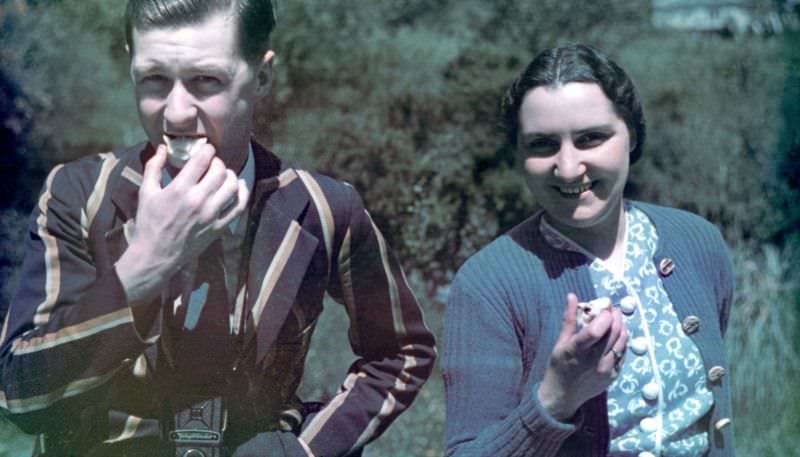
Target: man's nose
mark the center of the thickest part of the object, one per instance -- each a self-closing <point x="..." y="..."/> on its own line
<point x="180" y="110"/>
<point x="569" y="164"/>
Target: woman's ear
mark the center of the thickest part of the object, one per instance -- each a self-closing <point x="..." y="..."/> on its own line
<point x="633" y="139"/>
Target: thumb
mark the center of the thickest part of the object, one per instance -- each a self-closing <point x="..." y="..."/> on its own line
<point x="568" y="321"/>
<point x="152" y="169"/>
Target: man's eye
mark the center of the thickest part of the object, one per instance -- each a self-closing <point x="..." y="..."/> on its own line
<point x="153" y="80"/>
<point x="207" y="82"/>
<point x="591" y="140"/>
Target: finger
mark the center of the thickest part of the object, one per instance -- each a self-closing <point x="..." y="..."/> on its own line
<point x="568" y="321"/>
<point x="223" y="198"/>
<point x="613" y="361"/>
<point x="151" y="178"/>
<point x="242" y="196"/>
<point x="214" y="178"/>
<point x="596" y="333"/>
<point x="622" y="340"/>
<point x="616" y="329"/>
<point x="197" y="165"/>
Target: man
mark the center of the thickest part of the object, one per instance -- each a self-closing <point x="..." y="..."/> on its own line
<point x="170" y="289"/>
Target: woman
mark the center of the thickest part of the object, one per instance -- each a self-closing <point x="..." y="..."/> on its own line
<point x="644" y="377"/>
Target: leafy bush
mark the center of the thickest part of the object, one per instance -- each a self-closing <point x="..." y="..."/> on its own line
<point x="400" y="98"/>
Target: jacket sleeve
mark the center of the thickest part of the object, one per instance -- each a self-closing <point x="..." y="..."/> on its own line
<point x="69" y="328"/>
<point x="492" y="410"/>
<point x="387" y="332"/>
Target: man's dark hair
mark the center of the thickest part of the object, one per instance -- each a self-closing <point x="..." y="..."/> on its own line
<point x="577" y="63"/>
<point x="255" y="19"/>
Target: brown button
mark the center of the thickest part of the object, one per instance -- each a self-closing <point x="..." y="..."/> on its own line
<point x="722" y="423"/>
<point x="716" y="373"/>
<point x="691" y="324"/>
<point x="665" y="266"/>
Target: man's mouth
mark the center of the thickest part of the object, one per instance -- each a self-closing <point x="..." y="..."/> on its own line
<point x="180" y="148"/>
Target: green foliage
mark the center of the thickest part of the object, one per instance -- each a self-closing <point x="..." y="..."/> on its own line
<point x="714" y="127"/>
<point x="68" y="57"/>
<point x="762" y="334"/>
<point x="400" y="98"/>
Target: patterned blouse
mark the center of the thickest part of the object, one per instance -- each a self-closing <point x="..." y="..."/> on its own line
<point x="658" y="403"/>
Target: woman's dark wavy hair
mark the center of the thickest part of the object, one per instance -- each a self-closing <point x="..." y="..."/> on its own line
<point x="255" y="19"/>
<point x="576" y="63"/>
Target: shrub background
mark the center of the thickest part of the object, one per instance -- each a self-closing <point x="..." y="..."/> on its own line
<point x="400" y="99"/>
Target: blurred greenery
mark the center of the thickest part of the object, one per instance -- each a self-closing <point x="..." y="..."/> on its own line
<point x="400" y="99"/>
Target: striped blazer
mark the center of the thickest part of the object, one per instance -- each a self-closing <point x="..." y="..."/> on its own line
<point x="72" y="362"/>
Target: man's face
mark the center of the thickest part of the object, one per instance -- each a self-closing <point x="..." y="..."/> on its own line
<point x="191" y="81"/>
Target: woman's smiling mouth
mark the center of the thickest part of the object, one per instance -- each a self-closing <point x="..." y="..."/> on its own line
<point x="574" y="190"/>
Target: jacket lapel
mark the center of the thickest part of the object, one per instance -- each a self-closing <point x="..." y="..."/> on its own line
<point x="280" y="253"/>
<point x="124" y="195"/>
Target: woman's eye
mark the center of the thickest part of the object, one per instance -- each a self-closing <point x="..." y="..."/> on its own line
<point x="541" y="147"/>
<point x="591" y="140"/>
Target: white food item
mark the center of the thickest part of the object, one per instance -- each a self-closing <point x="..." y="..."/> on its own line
<point x="587" y="311"/>
<point x="181" y="149"/>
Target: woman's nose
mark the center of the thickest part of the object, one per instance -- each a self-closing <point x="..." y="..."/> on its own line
<point x="569" y="164"/>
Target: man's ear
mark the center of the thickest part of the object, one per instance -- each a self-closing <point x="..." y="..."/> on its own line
<point x="265" y="74"/>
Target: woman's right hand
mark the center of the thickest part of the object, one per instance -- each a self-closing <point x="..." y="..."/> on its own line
<point x="583" y="364"/>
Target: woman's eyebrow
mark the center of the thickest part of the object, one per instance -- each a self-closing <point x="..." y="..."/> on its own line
<point x="528" y="136"/>
<point x="594" y="128"/>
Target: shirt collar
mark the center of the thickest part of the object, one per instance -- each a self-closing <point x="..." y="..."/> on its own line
<point x="248" y="173"/>
<point x="558" y="240"/>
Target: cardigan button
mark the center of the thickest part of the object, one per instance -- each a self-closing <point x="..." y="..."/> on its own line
<point x="716" y="373"/>
<point x="627" y="304"/>
<point x="722" y="423"/>
<point x="650" y="391"/>
<point x="648" y="424"/>
<point x="665" y="266"/>
<point x="639" y="345"/>
<point x="691" y="324"/>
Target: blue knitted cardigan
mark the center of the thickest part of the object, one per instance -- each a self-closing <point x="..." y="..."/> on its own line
<point x="504" y="316"/>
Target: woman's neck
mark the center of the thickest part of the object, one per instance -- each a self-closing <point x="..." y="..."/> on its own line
<point x="605" y="240"/>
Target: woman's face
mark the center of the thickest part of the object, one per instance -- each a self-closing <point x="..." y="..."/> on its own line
<point x="574" y="150"/>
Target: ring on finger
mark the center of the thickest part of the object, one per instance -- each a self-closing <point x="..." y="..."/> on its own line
<point x="618" y="356"/>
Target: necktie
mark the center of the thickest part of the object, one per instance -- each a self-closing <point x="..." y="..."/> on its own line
<point x="203" y="345"/>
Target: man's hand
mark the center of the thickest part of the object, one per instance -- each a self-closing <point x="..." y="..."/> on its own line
<point x="583" y="364"/>
<point x="175" y="224"/>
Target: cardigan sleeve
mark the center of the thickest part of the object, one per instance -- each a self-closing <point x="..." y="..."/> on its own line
<point x="491" y="409"/>
<point x="726" y="283"/>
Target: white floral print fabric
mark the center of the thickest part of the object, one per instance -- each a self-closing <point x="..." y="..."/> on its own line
<point x="659" y="400"/>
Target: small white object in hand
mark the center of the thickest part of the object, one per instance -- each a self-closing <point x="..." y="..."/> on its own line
<point x="587" y="311"/>
<point x="181" y="149"/>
